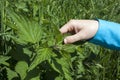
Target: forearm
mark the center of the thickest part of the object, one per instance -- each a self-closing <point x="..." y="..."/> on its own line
<point x="108" y="35"/>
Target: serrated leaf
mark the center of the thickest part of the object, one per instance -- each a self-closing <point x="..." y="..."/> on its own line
<point x="3" y="60"/>
<point x="56" y="66"/>
<point x="42" y="55"/>
<point x="21" y="68"/>
<point x="28" y="31"/>
<point x="51" y="42"/>
<point x="66" y="68"/>
<point x="69" y="48"/>
<point x="11" y="74"/>
<point x="62" y="66"/>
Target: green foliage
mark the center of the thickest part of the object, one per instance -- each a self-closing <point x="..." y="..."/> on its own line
<point x="31" y="46"/>
<point x="11" y="74"/>
<point x="42" y="55"/>
<point x="3" y="60"/>
<point x="27" y="31"/>
<point x="21" y="68"/>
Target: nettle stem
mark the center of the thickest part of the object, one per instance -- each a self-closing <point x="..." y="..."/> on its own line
<point x="2" y="25"/>
<point x="4" y="46"/>
<point x="2" y="16"/>
<point x="41" y="6"/>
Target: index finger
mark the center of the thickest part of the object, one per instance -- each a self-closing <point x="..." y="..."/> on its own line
<point x="65" y="28"/>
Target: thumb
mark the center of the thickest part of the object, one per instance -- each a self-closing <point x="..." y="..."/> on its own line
<point x="73" y="38"/>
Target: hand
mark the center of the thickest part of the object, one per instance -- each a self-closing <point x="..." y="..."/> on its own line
<point x="82" y="29"/>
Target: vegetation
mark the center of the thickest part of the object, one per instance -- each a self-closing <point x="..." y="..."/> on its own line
<point x="31" y="46"/>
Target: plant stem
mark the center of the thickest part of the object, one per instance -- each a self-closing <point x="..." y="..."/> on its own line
<point x="2" y="26"/>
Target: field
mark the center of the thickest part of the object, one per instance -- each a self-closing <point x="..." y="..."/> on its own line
<point x="31" y="46"/>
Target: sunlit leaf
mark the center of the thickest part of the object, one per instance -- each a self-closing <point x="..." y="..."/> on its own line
<point x="27" y="51"/>
<point x="21" y="68"/>
<point x="69" y="48"/>
<point x="35" y="78"/>
<point x="3" y="60"/>
<point x="42" y="55"/>
<point x="28" y="31"/>
<point x="59" y="78"/>
<point x="11" y="74"/>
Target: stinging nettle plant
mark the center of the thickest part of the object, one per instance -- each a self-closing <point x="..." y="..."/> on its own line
<point x="28" y="34"/>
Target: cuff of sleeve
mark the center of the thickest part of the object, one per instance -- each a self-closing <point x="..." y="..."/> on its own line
<point x="100" y="35"/>
<point x="100" y="31"/>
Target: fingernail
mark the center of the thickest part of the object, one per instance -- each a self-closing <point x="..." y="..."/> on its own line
<point x="65" y="41"/>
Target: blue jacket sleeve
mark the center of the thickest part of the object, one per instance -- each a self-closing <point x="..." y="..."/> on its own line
<point x="108" y="35"/>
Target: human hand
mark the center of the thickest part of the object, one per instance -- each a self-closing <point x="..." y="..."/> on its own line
<point x="82" y="29"/>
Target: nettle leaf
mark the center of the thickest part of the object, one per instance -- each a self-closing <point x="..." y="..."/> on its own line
<point x="56" y="66"/>
<point x="80" y="67"/>
<point x="33" y="74"/>
<point x="42" y="55"/>
<point x="11" y="74"/>
<point x="62" y="65"/>
<point x="51" y="41"/>
<point x="20" y="5"/>
<point x="58" y="36"/>
<point x="35" y="78"/>
<point x="27" y="51"/>
<point x="59" y="78"/>
<point x="28" y="31"/>
<point x="69" y="48"/>
<point x="3" y="60"/>
<point x="65" y="67"/>
<point x="21" y="68"/>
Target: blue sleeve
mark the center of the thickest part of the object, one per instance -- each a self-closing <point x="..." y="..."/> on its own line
<point x="108" y="35"/>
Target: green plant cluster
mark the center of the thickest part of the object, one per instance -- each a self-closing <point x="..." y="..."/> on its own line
<point x="31" y="46"/>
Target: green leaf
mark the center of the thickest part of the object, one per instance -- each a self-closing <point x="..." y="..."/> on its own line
<point x="58" y="36"/>
<point x="28" y="30"/>
<point x="80" y="67"/>
<point x="21" y="68"/>
<point x="11" y="74"/>
<point x="3" y="60"/>
<point x="51" y="41"/>
<point x="42" y="55"/>
<point x="20" y="5"/>
<point x="27" y="51"/>
<point x="62" y="66"/>
<point x="35" y="78"/>
<point x="56" y="66"/>
<point x="66" y="68"/>
<point x="69" y="48"/>
<point x="59" y="78"/>
<point x="33" y="74"/>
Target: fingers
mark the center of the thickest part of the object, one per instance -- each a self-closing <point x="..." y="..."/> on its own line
<point x="73" y="38"/>
<point x="65" y="28"/>
<point x="83" y="29"/>
<point x="68" y="27"/>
